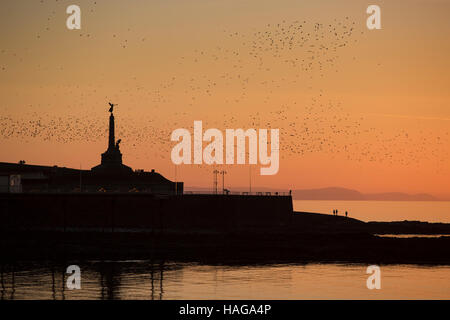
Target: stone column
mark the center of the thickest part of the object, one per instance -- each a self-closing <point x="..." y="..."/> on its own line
<point x="112" y="139"/>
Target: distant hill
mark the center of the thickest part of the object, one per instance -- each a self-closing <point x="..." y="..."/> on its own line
<point x="336" y="193"/>
<point x="333" y="193"/>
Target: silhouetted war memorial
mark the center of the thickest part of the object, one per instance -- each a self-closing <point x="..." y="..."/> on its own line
<point x="112" y="157"/>
<point x="111" y="196"/>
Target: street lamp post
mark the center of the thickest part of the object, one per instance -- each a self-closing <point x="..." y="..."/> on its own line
<point x="215" y="172"/>
<point x="223" y="173"/>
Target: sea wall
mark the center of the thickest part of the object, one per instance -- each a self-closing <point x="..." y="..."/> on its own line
<point x="114" y="211"/>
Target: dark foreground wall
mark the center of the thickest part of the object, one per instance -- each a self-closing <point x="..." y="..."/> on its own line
<point x="109" y="211"/>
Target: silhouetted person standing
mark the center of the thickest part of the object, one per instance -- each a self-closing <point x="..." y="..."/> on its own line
<point x="336" y="211"/>
<point x="346" y="214"/>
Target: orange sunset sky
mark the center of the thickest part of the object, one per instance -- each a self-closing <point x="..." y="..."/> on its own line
<point x="356" y="108"/>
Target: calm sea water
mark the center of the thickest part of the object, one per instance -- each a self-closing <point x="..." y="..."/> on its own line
<point x="430" y="211"/>
<point x="146" y="280"/>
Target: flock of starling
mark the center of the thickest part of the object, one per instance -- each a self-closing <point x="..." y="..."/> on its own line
<point x="245" y="80"/>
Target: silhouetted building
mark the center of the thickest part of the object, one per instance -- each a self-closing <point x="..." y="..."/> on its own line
<point x="111" y="175"/>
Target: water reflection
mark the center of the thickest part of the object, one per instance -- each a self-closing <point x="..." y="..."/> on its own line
<point x="100" y="280"/>
<point x="431" y="211"/>
<point x="170" y="280"/>
<point x="405" y="236"/>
